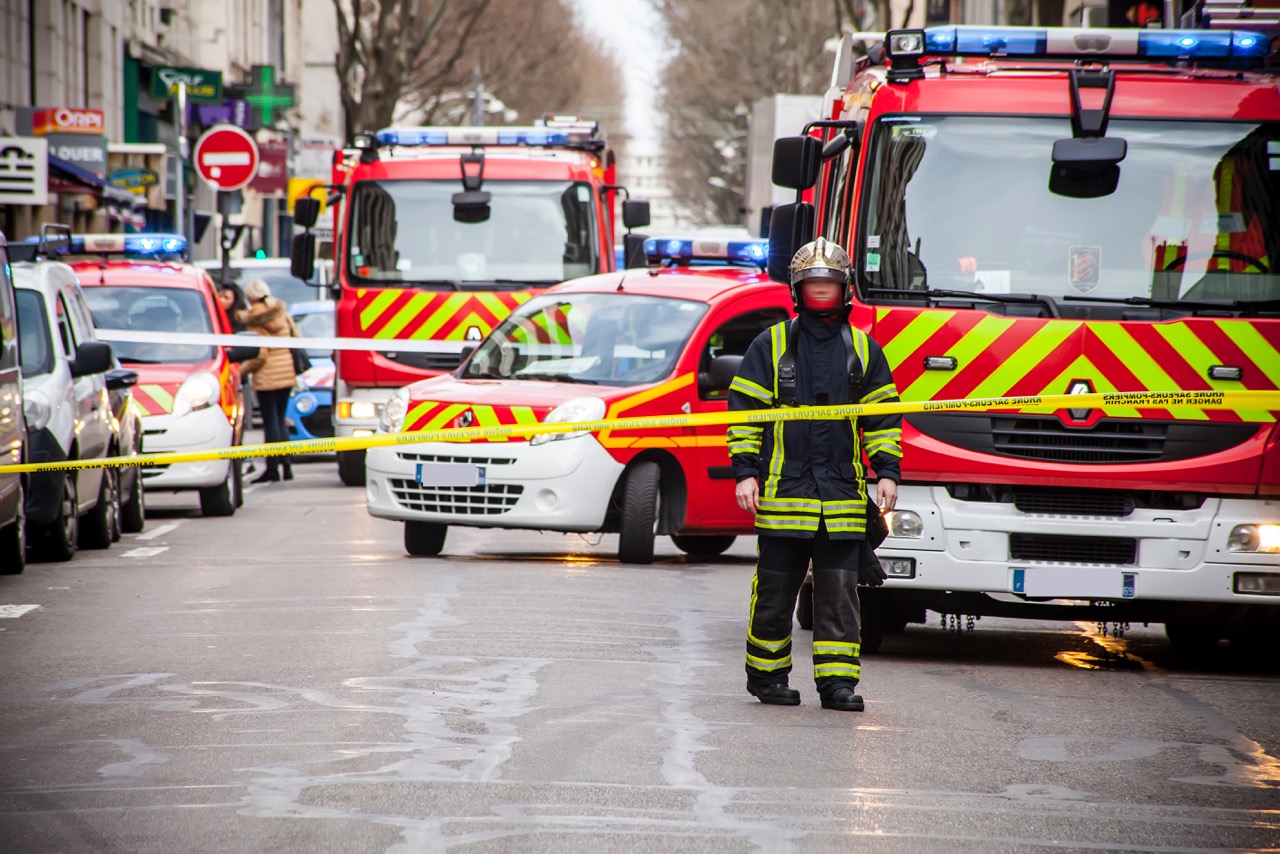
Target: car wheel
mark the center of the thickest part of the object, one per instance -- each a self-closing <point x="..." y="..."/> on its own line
<point x="13" y="539"/>
<point x="57" y="542"/>
<point x="1194" y="642"/>
<point x="639" y="513"/>
<point x="133" y="513"/>
<point x="237" y="482"/>
<point x="101" y="525"/>
<point x="804" y="606"/>
<point x="424" y="539"/>
<point x="351" y="467"/>
<point x="703" y="546"/>
<point x="218" y="500"/>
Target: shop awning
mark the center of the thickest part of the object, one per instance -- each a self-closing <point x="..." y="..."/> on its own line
<point x="66" y="171"/>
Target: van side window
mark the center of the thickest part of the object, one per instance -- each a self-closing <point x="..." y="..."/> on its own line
<point x="734" y="336"/>
<point x="64" y="329"/>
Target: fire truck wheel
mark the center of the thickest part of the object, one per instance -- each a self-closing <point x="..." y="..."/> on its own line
<point x="804" y="606"/>
<point x="703" y="546"/>
<point x="1194" y="642"/>
<point x="424" y="539"/>
<point x="640" y="497"/>
<point x="351" y="467"/>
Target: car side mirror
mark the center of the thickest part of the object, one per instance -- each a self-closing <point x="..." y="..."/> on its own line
<point x="92" y="357"/>
<point x="720" y="374"/>
<point x="241" y="353"/>
<point x="635" y="213"/>
<point x="467" y="350"/>
<point x="118" y="378"/>
<point x="302" y="256"/>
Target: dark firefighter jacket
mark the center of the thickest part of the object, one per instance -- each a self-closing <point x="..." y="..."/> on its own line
<point x="812" y="470"/>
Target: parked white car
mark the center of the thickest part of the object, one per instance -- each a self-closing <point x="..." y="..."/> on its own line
<point x="68" y="413"/>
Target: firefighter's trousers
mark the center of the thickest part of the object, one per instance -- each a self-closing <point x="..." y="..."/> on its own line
<point x="779" y="574"/>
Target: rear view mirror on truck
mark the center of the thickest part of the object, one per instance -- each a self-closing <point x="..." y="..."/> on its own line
<point x="306" y="210"/>
<point x="635" y="213"/>
<point x="302" y="256"/>
<point x="1086" y="168"/>
<point x="796" y="160"/>
<point x="471" y="206"/>
<point x="790" y="227"/>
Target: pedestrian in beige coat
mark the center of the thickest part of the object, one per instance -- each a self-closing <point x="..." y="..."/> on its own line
<point x="272" y="370"/>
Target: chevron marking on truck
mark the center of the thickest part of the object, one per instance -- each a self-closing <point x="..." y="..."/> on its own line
<point x="155" y="398"/>
<point x="395" y="313"/>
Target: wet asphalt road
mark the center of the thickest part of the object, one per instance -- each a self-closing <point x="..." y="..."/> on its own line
<point x="289" y="680"/>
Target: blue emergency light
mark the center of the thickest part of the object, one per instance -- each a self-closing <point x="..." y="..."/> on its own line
<point x="496" y="136"/>
<point x="1078" y="43"/>
<point x="158" y="245"/>
<point x="697" y="250"/>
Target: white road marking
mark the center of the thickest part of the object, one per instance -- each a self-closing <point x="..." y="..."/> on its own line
<point x="157" y="532"/>
<point x="12" y="612"/>
<point x="145" y="551"/>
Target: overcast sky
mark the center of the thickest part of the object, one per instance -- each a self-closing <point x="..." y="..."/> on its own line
<point x="631" y="28"/>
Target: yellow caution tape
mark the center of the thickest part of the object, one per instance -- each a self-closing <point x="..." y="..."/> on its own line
<point x="1245" y="402"/>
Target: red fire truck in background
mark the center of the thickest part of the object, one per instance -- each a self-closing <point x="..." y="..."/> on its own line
<point x="1050" y="211"/>
<point x="439" y="232"/>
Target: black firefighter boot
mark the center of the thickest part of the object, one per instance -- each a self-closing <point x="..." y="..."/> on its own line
<point x="774" y="694"/>
<point x="843" y="699"/>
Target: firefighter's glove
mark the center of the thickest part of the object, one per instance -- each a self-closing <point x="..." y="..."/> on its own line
<point x="870" y="572"/>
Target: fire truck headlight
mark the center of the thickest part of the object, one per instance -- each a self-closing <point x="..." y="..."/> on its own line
<point x="361" y="409"/>
<point x="904" y="523"/>
<point x="1254" y="539"/>
<point x="393" y="412"/>
<point x="578" y="409"/>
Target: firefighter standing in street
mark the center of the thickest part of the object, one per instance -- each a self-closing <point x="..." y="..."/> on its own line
<point x="805" y="481"/>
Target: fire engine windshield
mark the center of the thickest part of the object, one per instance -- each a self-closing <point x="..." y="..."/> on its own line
<point x="404" y="233"/>
<point x="597" y="339"/>
<point x="964" y="204"/>
<point x="143" y="309"/>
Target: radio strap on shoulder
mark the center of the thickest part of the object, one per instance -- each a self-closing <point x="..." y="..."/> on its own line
<point x="787" y="367"/>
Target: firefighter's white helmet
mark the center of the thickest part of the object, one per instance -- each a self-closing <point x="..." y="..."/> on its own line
<point x="820" y="258"/>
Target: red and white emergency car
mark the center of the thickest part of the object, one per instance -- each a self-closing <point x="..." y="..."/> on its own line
<point x="189" y="394"/>
<point x="656" y="341"/>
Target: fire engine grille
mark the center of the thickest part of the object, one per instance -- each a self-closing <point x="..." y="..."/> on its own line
<point x="1098" y="503"/>
<point x="427" y="361"/>
<point x="1057" y="548"/>
<point x="320" y="422"/>
<point x="490" y="499"/>
<point x="411" y="457"/>
<point x="1111" y="440"/>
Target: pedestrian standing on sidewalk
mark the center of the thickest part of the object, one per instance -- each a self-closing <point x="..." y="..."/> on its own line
<point x="272" y="370"/>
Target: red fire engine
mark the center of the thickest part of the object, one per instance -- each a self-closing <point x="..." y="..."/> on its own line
<point x="1049" y="211"/>
<point x="440" y="232"/>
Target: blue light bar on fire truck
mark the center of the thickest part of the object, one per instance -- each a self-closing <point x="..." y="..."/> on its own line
<point x="1078" y="43"/>
<point x="136" y="245"/>
<point x="680" y="251"/>
<point x="581" y="134"/>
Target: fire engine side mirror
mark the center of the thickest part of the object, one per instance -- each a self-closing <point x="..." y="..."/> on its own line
<point x="635" y="213"/>
<point x="796" y="160"/>
<point x="633" y="250"/>
<point x="306" y="211"/>
<point x="790" y="227"/>
<point x="302" y="256"/>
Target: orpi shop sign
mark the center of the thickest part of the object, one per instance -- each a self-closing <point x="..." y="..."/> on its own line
<point x="45" y="121"/>
<point x="203" y="87"/>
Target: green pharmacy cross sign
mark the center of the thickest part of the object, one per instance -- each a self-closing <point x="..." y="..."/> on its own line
<point x="267" y="96"/>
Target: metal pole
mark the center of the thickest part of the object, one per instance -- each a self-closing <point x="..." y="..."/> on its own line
<point x="478" y="106"/>
<point x="224" y="236"/>
<point x="180" y="206"/>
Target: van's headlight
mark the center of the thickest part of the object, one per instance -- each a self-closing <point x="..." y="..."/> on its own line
<point x="1254" y="538"/>
<point x="199" y="391"/>
<point x="904" y="523"/>
<point x="393" y="412"/>
<point x="36" y="410"/>
<point x="578" y="409"/>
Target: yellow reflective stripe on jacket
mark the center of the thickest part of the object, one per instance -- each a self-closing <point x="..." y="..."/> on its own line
<point x="751" y="389"/>
<point x="768" y="664"/>
<point x="883" y="393"/>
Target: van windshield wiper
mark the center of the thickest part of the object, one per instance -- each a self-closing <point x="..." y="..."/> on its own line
<point x="557" y="378"/>
<point x="520" y="283"/>
<point x="939" y="293"/>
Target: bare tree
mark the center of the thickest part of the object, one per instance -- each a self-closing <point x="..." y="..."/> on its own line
<point x="727" y="55"/>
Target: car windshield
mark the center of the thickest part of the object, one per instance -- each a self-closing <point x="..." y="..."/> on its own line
<point x="139" y="309"/>
<point x="607" y="339"/>
<point x="34" y="344"/>
<point x="537" y="233"/>
<point x="966" y="203"/>
<point x="316" y="324"/>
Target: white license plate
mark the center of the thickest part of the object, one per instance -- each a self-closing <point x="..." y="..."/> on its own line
<point x="1074" y="582"/>
<point x="450" y="474"/>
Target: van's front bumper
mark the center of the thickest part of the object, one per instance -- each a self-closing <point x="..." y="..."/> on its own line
<point x="202" y="430"/>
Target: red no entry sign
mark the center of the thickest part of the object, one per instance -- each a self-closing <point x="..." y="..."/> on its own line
<point x="226" y="157"/>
